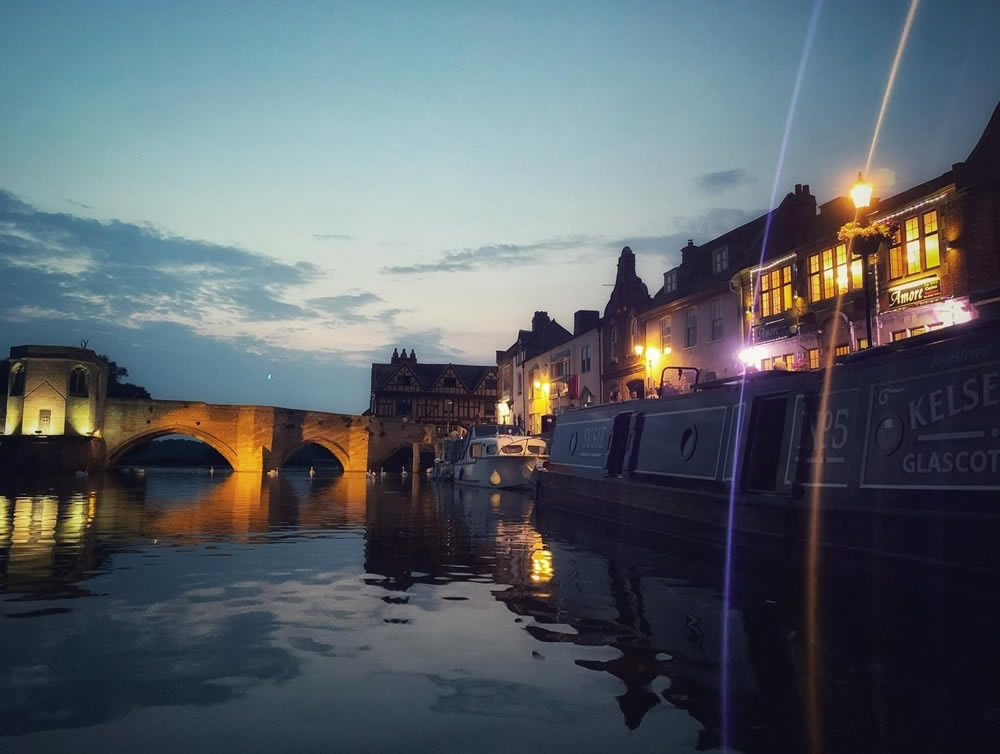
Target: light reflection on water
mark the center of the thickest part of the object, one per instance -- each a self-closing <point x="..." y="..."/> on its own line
<point x="181" y="610"/>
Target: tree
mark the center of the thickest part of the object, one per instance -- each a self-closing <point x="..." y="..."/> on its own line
<point x="117" y="388"/>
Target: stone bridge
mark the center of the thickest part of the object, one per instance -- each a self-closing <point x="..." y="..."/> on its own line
<point x="261" y="438"/>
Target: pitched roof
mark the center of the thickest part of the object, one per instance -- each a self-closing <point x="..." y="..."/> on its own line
<point x="427" y="375"/>
<point x="786" y="226"/>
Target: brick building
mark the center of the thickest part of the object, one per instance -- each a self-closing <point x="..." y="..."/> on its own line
<point x="696" y="319"/>
<point x="522" y="365"/>
<point x="943" y="262"/>
<point x="443" y="394"/>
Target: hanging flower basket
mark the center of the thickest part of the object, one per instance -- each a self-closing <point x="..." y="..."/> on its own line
<point x="874" y="232"/>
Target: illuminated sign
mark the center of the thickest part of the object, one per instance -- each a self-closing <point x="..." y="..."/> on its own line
<point x="773" y="330"/>
<point x="915" y="292"/>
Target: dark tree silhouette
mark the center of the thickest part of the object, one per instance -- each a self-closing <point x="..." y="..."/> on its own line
<point x="117" y="388"/>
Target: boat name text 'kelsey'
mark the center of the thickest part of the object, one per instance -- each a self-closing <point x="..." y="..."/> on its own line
<point x="937" y="405"/>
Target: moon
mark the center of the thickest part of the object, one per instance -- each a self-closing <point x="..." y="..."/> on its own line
<point x="268" y="375"/>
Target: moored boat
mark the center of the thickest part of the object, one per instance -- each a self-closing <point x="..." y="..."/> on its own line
<point x="893" y="453"/>
<point x="499" y="459"/>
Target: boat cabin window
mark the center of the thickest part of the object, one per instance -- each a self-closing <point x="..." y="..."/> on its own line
<point x="514" y="449"/>
<point x="538" y="450"/>
<point x="491" y="450"/>
<point x="476" y="450"/>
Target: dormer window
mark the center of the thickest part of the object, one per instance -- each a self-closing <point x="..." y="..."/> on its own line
<point x="670" y="281"/>
<point x="720" y="260"/>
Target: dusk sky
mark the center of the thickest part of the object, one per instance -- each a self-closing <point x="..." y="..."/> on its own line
<point x="212" y="192"/>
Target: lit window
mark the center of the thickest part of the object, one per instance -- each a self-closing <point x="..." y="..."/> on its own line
<point x="923" y="249"/>
<point x="665" y="334"/>
<point x="776" y="291"/>
<point x="914" y="331"/>
<point x="862" y="344"/>
<point x="831" y="274"/>
<point x="717" y="319"/>
<point x="912" y="246"/>
<point x="720" y="260"/>
<point x="896" y="257"/>
<point x="691" y="333"/>
<point x="932" y="252"/>
<point x="857" y="281"/>
<point x="842" y="350"/>
<point x="670" y="282"/>
<point x="813" y="354"/>
<point x="898" y="335"/>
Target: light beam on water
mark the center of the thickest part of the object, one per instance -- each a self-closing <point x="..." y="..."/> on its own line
<point x="728" y="573"/>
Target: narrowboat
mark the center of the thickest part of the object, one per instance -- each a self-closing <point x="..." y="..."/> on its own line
<point x="893" y="452"/>
<point x="499" y="456"/>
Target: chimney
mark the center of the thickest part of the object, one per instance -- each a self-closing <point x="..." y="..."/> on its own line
<point x="395" y="356"/>
<point x="413" y="355"/>
<point x="584" y="320"/>
<point x="539" y="321"/>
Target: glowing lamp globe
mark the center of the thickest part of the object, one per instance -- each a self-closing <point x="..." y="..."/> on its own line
<point x="861" y="193"/>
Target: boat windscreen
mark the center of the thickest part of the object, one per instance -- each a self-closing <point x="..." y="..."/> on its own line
<point x="513" y="449"/>
<point x="537" y="449"/>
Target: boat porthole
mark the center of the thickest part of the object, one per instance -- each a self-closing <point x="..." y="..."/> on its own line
<point x="889" y="434"/>
<point x="573" y="441"/>
<point x="689" y="441"/>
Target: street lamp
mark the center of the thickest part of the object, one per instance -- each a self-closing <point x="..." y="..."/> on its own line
<point x="861" y="195"/>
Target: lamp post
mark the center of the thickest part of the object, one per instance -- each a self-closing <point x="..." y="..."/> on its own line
<point x="861" y="195"/>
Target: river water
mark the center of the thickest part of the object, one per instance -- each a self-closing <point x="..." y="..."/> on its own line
<point x="182" y="611"/>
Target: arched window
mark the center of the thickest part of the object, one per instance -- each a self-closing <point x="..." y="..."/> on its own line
<point x="78" y="382"/>
<point x="633" y="332"/>
<point x="614" y="339"/>
<point x="17" y="381"/>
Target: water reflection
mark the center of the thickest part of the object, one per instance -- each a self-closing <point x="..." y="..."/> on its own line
<point x="340" y="604"/>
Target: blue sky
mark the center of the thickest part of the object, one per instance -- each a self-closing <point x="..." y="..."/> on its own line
<point x="214" y="192"/>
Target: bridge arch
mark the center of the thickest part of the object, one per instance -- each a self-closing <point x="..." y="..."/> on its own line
<point x="334" y="448"/>
<point x="141" y="438"/>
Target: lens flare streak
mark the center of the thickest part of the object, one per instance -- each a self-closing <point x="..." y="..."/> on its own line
<point x="727" y="575"/>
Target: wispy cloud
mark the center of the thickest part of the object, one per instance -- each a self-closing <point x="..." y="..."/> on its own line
<point x="350" y="308"/>
<point x="468" y="259"/>
<point x="722" y="180"/>
<point x="332" y="237"/>
<point x="75" y="203"/>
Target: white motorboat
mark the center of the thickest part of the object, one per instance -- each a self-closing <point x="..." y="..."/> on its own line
<point x="500" y="461"/>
